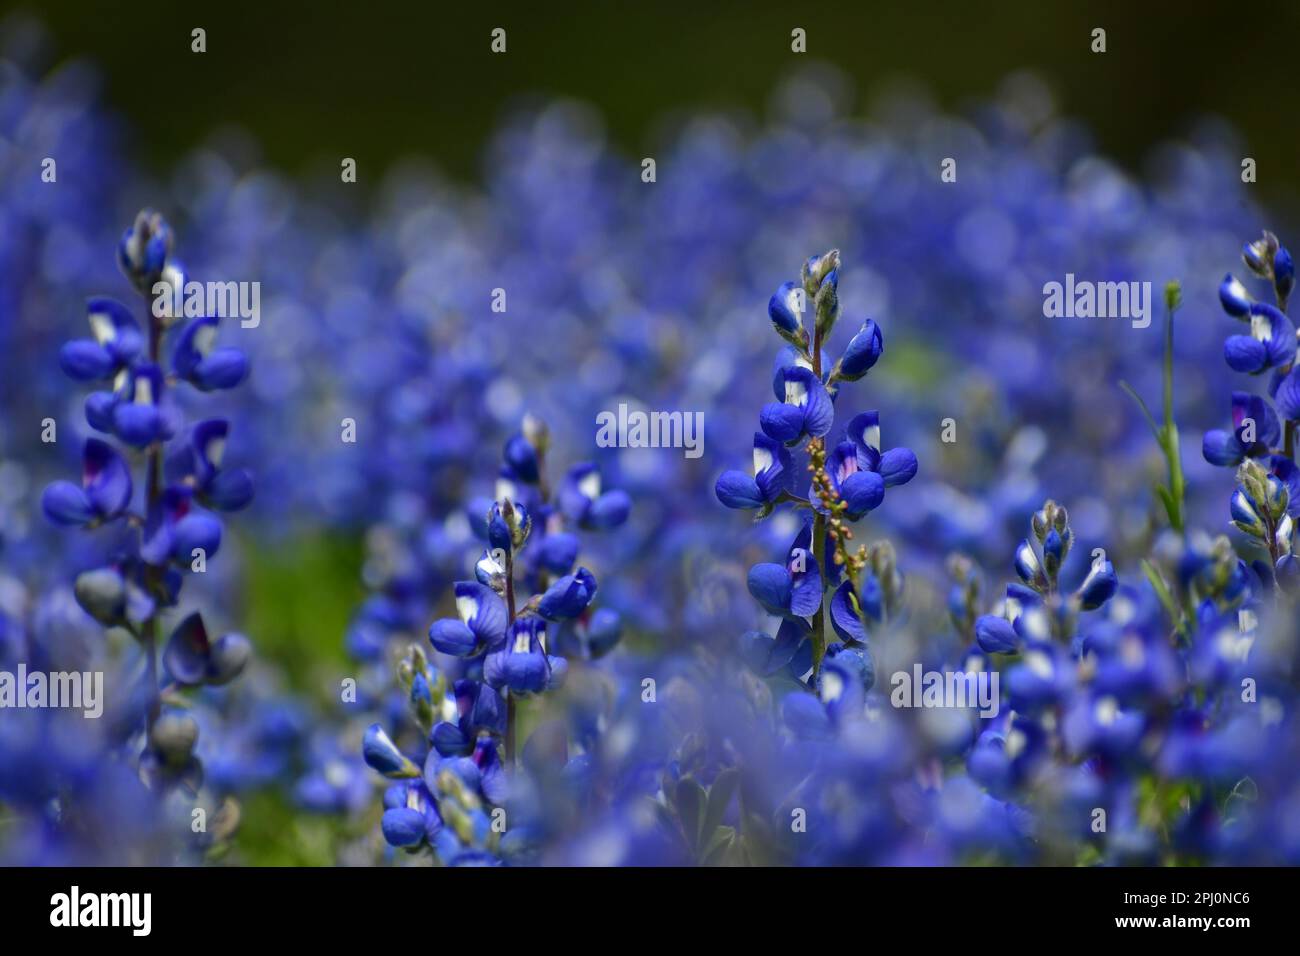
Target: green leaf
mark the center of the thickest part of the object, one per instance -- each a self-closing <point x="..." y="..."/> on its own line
<point x="1162" y="591"/>
<point x="1146" y="413"/>
<point x="716" y="850"/>
<point x="1167" y="499"/>
<point x="720" y="794"/>
<point x="690" y="809"/>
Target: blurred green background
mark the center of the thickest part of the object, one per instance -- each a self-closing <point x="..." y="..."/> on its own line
<point x="381" y="79"/>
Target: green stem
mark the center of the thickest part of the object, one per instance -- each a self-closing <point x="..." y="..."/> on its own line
<point x="1177" y="486"/>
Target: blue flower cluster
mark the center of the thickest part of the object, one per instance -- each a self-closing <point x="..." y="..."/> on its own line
<point x="498" y="651"/>
<point x="167" y="529"/>
<point x="821" y="584"/>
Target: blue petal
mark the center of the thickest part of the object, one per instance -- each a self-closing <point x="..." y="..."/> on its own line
<point x="1098" y="587"/>
<point x="806" y="594"/>
<point x="64" y="503"/>
<point x="781" y="422"/>
<point x="452" y="637"/>
<point x="137" y="425"/>
<point x="1219" y="447"/>
<point x="99" y="410"/>
<point x="107" y="478"/>
<point x="844" y="615"/>
<point x="609" y="510"/>
<point x="863" y="351"/>
<point x="521" y="456"/>
<point x="224" y="368"/>
<point x="524" y="672"/>
<point x="448" y="741"/>
<point x="771" y="587"/>
<point x="558" y="552"/>
<point x="735" y="489"/>
<point x="863" y="491"/>
<point x="1234" y="297"/>
<point x="86" y="360"/>
<point x="996" y="635"/>
<point x="898" y="466"/>
<point x="230" y="490"/>
<point x="487" y="616"/>
<point x="781" y="308"/>
<point x="381" y="754"/>
<point x="1287" y="396"/>
<point x="403" y="826"/>
<point x="806" y="717"/>
<point x="569" y="596"/>
<point x="196" y="532"/>
<point x="1244" y="353"/>
<point x="819" y="413"/>
<point x="230" y="655"/>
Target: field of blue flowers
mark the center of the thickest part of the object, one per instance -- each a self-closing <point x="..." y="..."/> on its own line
<point x="364" y="588"/>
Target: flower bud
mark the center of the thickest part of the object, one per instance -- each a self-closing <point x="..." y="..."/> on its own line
<point x="863" y="351"/>
<point x="1234" y="298"/>
<point x="1283" y="274"/>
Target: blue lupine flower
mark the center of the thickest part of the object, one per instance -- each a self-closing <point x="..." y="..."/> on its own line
<point x="114" y="597"/>
<point x="897" y="466"/>
<point x="198" y="463"/>
<point x="479" y="709"/>
<point x="789" y="358"/>
<point x="1235" y="299"/>
<point x="1098" y="587"/>
<point x="583" y="502"/>
<point x="862" y="353"/>
<point x="482" y="623"/>
<point x="1283" y="274"/>
<point x="381" y="754"/>
<point x="767" y="655"/>
<point x="773" y="474"/>
<point x="410" y="815"/>
<point x="569" y="596"/>
<point x="191" y="658"/>
<point x="523" y="665"/>
<point x="848" y="607"/>
<point x="805" y="409"/>
<point x="173" y="531"/>
<point x="197" y="360"/>
<point x="1270" y="344"/>
<point x="1256" y="431"/>
<point x="139" y="419"/>
<point x="996" y="635"/>
<point x="1287" y="395"/>
<point x="144" y="249"/>
<point x="116" y="344"/>
<point x="521" y="457"/>
<point x="786" y="311"/>
<point x="1041" y="678"/>
<point x="105" y="491"/>
<point x="862" y="489"/>
<point x="792" y="589"/>
<point x="508" y="525"/>
<point x="1029" y="567"/>
<point x="1245" y="513"/>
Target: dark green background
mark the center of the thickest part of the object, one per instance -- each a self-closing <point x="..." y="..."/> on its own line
<point x="378" y="80"/>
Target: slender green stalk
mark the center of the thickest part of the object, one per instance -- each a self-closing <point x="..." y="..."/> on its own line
<point x="1172" y="495"/>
